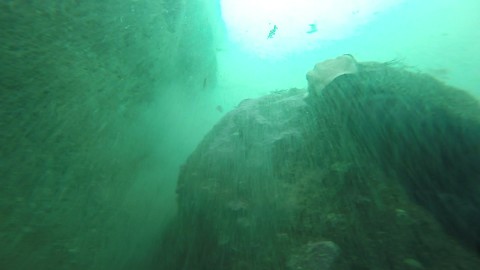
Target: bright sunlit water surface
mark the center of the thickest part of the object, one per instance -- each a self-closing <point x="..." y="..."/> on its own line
<point x="272" y="28"/>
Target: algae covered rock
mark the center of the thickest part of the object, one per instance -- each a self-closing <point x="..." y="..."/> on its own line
<point x="357" y="176"/>
<point x="78" y="80"/>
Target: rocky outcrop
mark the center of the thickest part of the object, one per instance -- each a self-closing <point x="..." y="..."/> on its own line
<point x="360" y="176"/>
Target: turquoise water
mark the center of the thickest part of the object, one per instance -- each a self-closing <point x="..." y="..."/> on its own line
<point x="102" y="102"/>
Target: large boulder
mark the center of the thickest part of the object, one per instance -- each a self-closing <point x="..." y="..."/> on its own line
<point x="376" y="170"/>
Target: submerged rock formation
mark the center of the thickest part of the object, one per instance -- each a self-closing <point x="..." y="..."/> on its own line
<point x="78" y="85"/>
<point x="376" y="170"/>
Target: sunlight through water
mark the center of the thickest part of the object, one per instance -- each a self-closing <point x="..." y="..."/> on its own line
<point x="270" y="27"/>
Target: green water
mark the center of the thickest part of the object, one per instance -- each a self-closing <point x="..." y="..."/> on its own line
<point x="101" y="102"/>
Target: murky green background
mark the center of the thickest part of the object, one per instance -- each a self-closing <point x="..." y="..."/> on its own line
<point x="102" y="101"/>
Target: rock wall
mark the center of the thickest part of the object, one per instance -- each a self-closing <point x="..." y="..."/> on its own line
<point x="77" y="84"/>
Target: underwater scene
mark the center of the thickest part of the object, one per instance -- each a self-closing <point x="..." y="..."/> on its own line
<point x="239" y="135"/>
